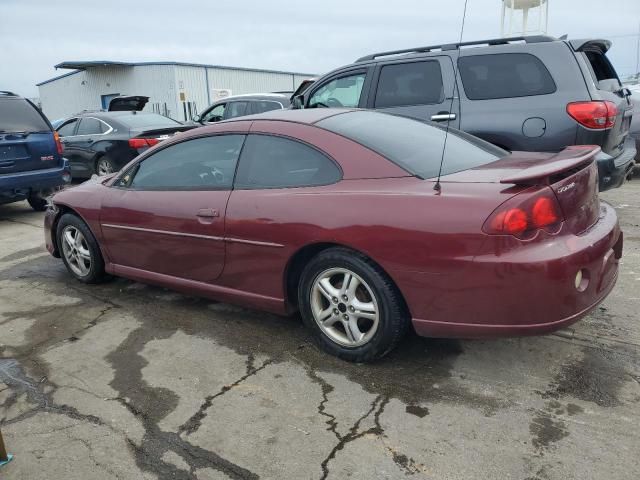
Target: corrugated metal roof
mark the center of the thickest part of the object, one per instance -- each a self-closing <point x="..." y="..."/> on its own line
<point x="83" y="65"/>
<point x="58" y="77"/>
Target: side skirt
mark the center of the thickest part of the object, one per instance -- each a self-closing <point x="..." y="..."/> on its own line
<point x="215" y="292"/>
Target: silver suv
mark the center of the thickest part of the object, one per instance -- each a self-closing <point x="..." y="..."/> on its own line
<point x="534" y="93"/>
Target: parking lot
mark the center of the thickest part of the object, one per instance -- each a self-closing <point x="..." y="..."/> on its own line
<point x="123" y="380"/>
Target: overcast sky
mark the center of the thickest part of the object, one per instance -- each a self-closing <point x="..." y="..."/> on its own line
<point x="309" y="37"/>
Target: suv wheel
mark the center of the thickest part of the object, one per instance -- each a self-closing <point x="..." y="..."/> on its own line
<point x="38" y="203"/>
<point x="352" y="307"/>
<point x="80" y="252"/>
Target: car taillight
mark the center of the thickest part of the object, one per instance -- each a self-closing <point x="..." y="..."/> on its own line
<point x="596" y="115"/>
<point x="525" y="214"/>
<point x="142" y="142"/>
<point x="59" y="146"/>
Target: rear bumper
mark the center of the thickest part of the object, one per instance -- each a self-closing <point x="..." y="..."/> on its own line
<point x="523" y="290"/>
<point x="612" y="171"/>
<point x="17" y="186"/>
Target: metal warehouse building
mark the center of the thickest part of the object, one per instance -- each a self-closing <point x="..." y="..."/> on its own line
<point x="177" y="90"/>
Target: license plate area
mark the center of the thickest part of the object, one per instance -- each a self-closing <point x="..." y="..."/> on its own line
<point x="12" y="152"/>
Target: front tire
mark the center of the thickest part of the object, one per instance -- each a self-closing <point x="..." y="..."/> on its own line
<point x="79" y="249"/>
<point x="351" y="305"/>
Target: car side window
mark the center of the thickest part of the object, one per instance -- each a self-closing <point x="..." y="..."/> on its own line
<point x="416" y="83"/>
<point x="339" y="92"/>
<point x="206" y="163"/>
<point x="236" y="109"/>
<point x="67" y="129"/>
<point x="265" y="106"/>
<point x="504" y="75"/>
<point x="275" y="162"/>
<point x="215" y="114"/>
<point x="89" y="126"/>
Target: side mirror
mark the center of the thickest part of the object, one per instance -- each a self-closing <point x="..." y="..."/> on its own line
<point x="298" y="102"/>
<point x="196" y="118"/>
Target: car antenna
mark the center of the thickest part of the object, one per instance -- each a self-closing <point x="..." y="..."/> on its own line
<point x="437" y="187"/>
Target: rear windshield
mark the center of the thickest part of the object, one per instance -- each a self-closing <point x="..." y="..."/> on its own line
<point x="147" y="120"/>
<point x="18" y="115"/>
<point x="504" y="75"/>
<point x="413" y="145"/>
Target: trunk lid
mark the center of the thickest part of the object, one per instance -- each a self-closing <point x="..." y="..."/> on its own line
<point x="572" y="174"/>
<point x="159" y="133"/>
<point x="128" y="103"/>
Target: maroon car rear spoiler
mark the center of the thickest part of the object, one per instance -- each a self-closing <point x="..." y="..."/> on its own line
<point x="567" y="159"/>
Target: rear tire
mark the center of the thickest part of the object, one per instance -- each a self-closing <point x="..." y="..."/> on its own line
<point x="79" y="249"/>
<point x="353" y="308"/>
<point x="105" y="166"/>
<point x="38" y="203"/>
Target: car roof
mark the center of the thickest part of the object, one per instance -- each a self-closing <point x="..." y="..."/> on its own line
<point x="307" y="115"/>
<point x="256" y="96"/>
<point x="114" y="114"/>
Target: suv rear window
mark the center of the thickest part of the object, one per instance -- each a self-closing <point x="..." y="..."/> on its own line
<point x="504" y="75"/>
<point x="416" y="83"/>
<point x="18" y="115"/>
<point x="413" y="145"/>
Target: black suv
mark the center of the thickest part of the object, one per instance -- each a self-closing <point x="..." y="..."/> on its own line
<point x="534" y="93"/>
<point x="31" y="163"/>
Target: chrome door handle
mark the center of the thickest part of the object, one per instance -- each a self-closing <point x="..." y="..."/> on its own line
<point x="208" y="213"/>
<point x="443" y="117"/>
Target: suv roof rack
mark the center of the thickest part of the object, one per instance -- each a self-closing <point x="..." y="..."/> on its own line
<point x="454" y="46"/>
<point x="7" y="93"/>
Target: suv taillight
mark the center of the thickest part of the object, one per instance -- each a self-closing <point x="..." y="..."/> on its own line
<point x="596" y="115"/>
<point x="59" y="147"/>
<point x="142" y="142"/>
<point x="526" y="213"/>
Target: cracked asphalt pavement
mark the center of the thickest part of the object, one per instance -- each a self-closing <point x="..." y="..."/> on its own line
<point x="127" y="381"/>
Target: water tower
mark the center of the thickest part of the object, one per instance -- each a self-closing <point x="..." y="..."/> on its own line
<point x="517" y="16"/>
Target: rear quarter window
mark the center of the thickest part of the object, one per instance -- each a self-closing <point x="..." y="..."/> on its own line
<point x="413" y="145"/>
<point x="601" y="70"/>
<point x="504" y="75"/>
<point x="18" y="115"/>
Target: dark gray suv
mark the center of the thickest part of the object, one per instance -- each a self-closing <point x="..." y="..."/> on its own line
<point x="534" y="93"/>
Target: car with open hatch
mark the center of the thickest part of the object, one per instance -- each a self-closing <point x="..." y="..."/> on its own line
<point x="102" y="142"/>
<point x="360" y="220"/>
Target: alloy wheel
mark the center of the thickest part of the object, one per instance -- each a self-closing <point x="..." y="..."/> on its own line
<point x="344" y="307"/>
<point x="104" y="167"/>
<point x="76" y="251"/>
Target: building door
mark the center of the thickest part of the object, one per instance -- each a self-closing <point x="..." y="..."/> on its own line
<point x="106" y="99"/>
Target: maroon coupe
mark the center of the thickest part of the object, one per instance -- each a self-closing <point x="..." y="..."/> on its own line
<point x="334" y="213"/>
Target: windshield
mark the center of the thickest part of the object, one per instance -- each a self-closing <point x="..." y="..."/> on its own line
<point x="18" y="115"/>
<point x="413" y="145"/>
<point x="147" y="120"/>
